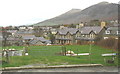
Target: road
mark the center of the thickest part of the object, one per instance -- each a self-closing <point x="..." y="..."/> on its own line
<point x="79" y="69"/>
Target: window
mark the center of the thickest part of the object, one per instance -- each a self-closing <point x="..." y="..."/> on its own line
<point x="105" y="37"/>
<point x="83" y="35"/>
<point x="118" y="32"/>
<point x="107" y="32"/>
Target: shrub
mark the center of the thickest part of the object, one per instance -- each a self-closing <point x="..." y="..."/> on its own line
<point x="108" y="43"/>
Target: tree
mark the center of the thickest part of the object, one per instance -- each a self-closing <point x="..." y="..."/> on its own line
<point x="38" y="31"/>
<point x="72" y="25"/>
<point x="95" y="22"/>
<point x="5" y="35"/>
<point x="52" y="38"/>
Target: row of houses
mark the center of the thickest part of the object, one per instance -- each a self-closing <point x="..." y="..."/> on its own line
<point x="22" y="39"/>
<point x="63" y="35"/>
<point x="85" y="34"/>
<point x="27" y="40"/>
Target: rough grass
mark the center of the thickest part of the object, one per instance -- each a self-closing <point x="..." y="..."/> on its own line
<point x="49" y="55"/>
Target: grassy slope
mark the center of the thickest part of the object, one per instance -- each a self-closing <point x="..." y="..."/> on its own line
<point x="49" y="55"/>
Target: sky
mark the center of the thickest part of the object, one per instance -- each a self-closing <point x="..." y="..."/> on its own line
<point x="26" y="12"/>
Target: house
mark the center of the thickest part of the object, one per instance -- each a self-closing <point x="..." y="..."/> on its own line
<point x="30" y="27"/>
<point x="65" y="36"/>
<point x="1" y="39"/>
<point x="85" y="34"/>
<point x="39" y="41"/>
<point x="35" y="42"/>
<point x="12" y="40"/>
<point x="112" y="32"/>
<point x="89" y="34"/>
<point x="26" y="32"/>
<point x="13" y="32"/>
<point x="22" y="27"/>
<point x="53" y="31"/>
<point x="27" y="38"/>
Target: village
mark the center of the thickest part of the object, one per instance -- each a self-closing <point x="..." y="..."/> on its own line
<point x="60" y="45"/>
<point x="59" y="36"/>
<point x="45" y="35"/>
<point x="80" y="34"/>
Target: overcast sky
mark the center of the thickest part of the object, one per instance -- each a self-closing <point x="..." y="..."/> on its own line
<point x="23" y="12"/>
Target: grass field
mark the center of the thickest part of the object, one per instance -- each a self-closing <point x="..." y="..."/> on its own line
<point x="50" y="55"/>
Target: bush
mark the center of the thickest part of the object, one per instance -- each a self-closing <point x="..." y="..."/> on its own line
<point x="108" y="43"/>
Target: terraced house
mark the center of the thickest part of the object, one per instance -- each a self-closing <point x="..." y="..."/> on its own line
<point x="66" y="36"/>
<point x="89" y="34"/>
<point x="84" y="34"/>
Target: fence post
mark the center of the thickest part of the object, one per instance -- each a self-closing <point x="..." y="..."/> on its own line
<point x="7" y="56"/>
<point x="77" y="51"/>
<point x="65" y="51"/>
<point x="90" y="54"/>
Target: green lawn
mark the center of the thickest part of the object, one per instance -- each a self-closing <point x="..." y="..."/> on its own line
<point x="50" y="55"/>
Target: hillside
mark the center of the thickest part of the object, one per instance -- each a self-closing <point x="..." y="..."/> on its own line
<point x="101" y="11"/>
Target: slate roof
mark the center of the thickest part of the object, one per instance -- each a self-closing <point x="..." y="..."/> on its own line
<point x="83" y="30"/>
<point x="67" y="30"/>
<point x="113" y="30"/>
<point x="12" y="31"/>
<point x="28" y="37"/>
<point x="34" y="41"/>
<point x="13" y="38"/>
<point x="25" y="32"/>
<point x="87" y="30"/>
<point x="116" y="25"/>
<point x="43" y="40"/>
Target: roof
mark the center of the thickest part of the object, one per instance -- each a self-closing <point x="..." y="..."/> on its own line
<point x="116" y="24"/>
<point x="40" y="38"/>
<point x="43" y="40"/>
<point x="113" y="30"/>
<point x="67" y="30"/>
<point x="34" y="41"/>
<point x="25" y="32"/>
<point x="13" y="38"/>
<point x="87" y="30"/>
<point x="12" y="31"/>
<point x="28" y="36"/>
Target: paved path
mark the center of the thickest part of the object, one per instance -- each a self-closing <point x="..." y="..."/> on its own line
<point x="78" y="69"/>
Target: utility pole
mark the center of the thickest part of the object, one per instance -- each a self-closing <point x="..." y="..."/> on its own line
<point x="90" y="54"/>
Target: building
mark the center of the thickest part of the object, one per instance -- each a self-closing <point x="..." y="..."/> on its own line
<point x="13" y="40"/>
<point x="84" y="34"/>
<point x="65" y="36"/>
<point x="112" y="32"/>
<point x="39" y="41"/>
<point x="89" y="34"/>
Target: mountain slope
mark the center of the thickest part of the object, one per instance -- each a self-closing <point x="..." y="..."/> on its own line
<point x="101" y="11"/>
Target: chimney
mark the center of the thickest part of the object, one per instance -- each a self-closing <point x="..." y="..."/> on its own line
<point x="103" y="24"/>
<point x="80" y="25"/>
<point x="62" y="27"/>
